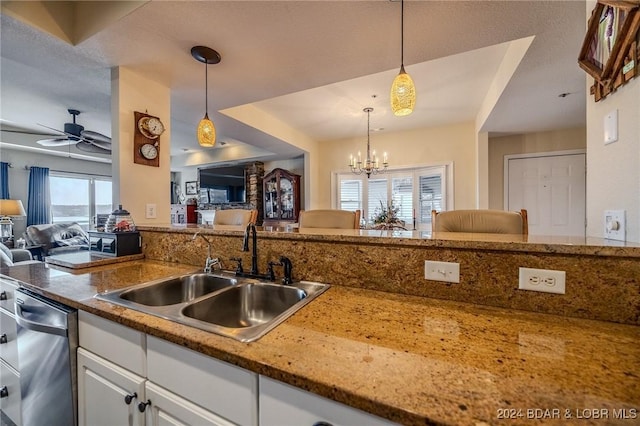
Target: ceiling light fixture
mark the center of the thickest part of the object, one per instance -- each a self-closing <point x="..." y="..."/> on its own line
<point x="372" y="163"/>
<point x="403" y="91"/>
<point x="206" y="129"/>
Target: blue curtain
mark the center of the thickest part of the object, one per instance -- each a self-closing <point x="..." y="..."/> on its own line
<point x="39" y="200"/>
<point x="4" y="180"/>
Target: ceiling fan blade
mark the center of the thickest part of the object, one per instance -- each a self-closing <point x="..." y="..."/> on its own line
<point x="91" y="147"/>
<point x="51" y="128"/>
<point x="56" y="142"/>
<point x="95" y="136"/>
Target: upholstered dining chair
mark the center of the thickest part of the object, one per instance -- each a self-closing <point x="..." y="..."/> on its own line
<point x="332" y="219"/>
<point x="237" y="217"/>
<point x="480" y="221"/>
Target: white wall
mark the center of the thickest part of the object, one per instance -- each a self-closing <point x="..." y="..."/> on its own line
<point x="613" y="171"/>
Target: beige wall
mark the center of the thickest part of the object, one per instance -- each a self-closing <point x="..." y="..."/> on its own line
<point x="557" y="140"/>
<point x="136" y="185"/>
<point x="422" y="147"/>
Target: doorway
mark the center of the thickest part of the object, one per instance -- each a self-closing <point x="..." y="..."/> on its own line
<point x="551" y="186"/>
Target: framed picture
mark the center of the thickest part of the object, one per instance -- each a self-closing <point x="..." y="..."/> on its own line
<point x="191" y="188"/>
<point x="612" y="28"/>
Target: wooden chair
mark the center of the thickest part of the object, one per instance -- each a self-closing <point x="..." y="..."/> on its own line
<point x="331" y="219"/>
<point x="236" y="217"/>
<point x="480" y="221"/>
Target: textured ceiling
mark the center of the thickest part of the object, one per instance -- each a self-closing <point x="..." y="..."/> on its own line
<point x="311" y="64"/>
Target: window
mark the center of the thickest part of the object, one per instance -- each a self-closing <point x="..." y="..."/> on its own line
<point x="78" y="198"/>
<point x="414" y="191"/>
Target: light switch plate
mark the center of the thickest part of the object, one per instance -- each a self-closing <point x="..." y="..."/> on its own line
<point x="615" y="225"/>
<point x="150" y="212"/>
<point x="611" y="127"/>
<point x="442" y="271"/>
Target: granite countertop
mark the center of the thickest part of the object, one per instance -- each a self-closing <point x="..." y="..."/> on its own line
<point x="412" y="360"/>
<point x="586" y="246"/>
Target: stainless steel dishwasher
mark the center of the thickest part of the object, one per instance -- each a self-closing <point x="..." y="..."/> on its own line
<point x="47" y="343"/>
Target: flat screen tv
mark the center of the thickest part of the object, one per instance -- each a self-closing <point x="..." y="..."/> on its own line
<point x="222" y="185"/>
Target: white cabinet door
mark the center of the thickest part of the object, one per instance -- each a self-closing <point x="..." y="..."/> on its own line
<point x="229" y="391"/>
<point x="284" y="405"/>
<point x="102" y="388"/>
<point x="168" y="409"/>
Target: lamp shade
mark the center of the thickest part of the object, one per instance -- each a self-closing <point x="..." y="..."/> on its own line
<point x="11" y="208"/>
<point x="403" y="94"/>
<point x="206" y="132"/>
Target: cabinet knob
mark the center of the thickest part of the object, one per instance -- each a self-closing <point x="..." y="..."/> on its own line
<point x="321" y="423"/>
<point x="130" y="397"/>
<point x="143" y="405"/>
<point x="3" y="295"/>
<point x="3" y="339"/>
<point x="4" y="392"/>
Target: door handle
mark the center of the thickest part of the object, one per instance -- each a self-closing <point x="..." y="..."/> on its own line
<point x="3" y="339"/>
<point x="4" y="392"/>
<point x="37" y="326"/>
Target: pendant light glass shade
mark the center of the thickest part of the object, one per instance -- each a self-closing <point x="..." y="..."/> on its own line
<point x="403" y="91"/>
<point x="206" y="132"/>
<point x="403" y="94"/>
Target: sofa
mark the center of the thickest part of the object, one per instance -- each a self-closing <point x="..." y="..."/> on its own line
<point x="10" y="257"/>
<point x="57" y="238"/>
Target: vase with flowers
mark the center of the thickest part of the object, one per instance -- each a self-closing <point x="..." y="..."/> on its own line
<point x="386" y="217"/>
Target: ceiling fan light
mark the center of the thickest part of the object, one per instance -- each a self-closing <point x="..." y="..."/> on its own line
<point x="206" y="132"/>
<point x="403" y="94"/>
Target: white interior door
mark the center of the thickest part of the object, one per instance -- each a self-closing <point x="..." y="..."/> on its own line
<point x="552" y="188"/>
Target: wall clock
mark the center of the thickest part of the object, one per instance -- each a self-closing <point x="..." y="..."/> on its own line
<point x="146" y="140"/>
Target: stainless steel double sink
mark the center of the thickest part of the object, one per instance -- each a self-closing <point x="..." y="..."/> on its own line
<point x="241" y="308"/>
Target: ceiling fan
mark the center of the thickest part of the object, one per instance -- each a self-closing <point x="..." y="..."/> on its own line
<point x="84" y="140"/>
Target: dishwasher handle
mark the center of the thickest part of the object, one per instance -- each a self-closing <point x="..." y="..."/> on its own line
<point x="38" y="326"/>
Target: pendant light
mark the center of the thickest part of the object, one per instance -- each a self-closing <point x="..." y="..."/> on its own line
<point x="403" y="91"/>
<point x="206" y="129"/>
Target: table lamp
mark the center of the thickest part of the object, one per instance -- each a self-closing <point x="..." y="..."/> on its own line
<point x="9" y="208"/>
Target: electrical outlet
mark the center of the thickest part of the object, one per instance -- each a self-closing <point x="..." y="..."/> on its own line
<point x="615" y="225"/>
<point x="545" y="280"/>
<point x="150" y="211"/>
<point x="442" y="271"/>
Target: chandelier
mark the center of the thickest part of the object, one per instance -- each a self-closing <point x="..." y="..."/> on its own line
<point x="371" y="164"/>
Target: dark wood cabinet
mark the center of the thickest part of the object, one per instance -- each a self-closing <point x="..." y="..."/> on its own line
<point x="281" y="191"/>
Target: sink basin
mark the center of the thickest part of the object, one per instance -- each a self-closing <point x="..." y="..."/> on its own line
<point x="245" y="305"/>
<point x="176" y="290"/>
<point x="244" y="309"/>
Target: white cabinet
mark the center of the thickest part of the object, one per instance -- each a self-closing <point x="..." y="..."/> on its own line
<point x="9" y="371"/>
<point x="168" y="409"/>
<point x="167" y="384"/>
<point x="284" y="405"/>
<point x="102" y="388"/>
<point x="229" y="391"/>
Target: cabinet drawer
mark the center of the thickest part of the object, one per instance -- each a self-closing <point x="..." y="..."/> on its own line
<point x="282" y="404"/>
<point x="7" y="290"/>
<point x="219" y="387"/>
<point x="119" y="344"/>
<point x="8" y="349"/>
<point x="10" y="404"/>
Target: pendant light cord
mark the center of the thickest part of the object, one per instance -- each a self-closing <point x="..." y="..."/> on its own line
<point x="206" y="88"/>
<point x="402" y="32"/>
